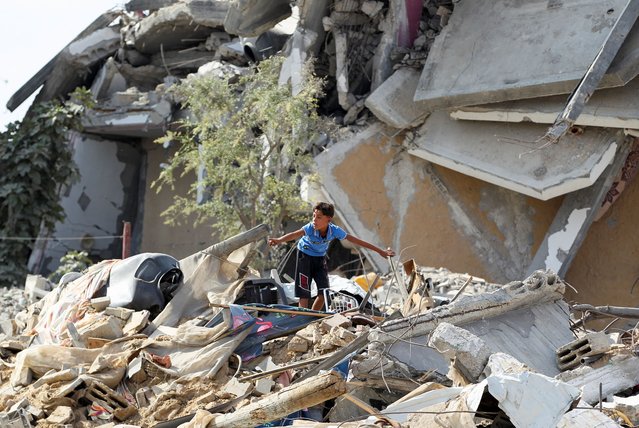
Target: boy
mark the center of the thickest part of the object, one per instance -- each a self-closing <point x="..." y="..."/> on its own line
<point x="311" y="252"/>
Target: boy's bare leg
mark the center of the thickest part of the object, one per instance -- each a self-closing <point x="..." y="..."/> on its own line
<point x="304" y="302"/>
<point x="318" y="304"/>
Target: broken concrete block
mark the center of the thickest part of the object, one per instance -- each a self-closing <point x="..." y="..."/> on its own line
<point x="7" y="327"/>
<point x="53" y="376"/>
<point x="500" y="363"/>
<point x="532" y="399"/>
<point x="36" y="412"/>
<point x="140" y="397"/>
<point x="122" y="313"/>
<point x="207" y="398"/>
<point x="263" y="386"/>
<point x="469" y="353"/>
<point x="98" y="391"/>
<point x="335" y="320"/>
<point x="629" y="406"/>
<point x="100" y="303"/>
<point x="61" y="415"/>
<point x="345" y="335"/>
<point x="103" y="327"/>
<point x="573" y="354"/>
<point x="266" y="365"/>
<point x="236" y="387"/>
<point x="311" y="333"/>
<point x="137" y="321"/>
<point x="16" y="419"/>
<point x="135" y="371"/>
<point x="65" y="390"/>
<point x="621" y="372"/>
<point x="578" y="418"/>
<point x="178" y="26"/>
<point x="75" y="336"/>
<point x="36" y="287"/>
<point x="251" y="18"/>
<point x="20" y="404"/>
<point x="108" y="81"/>
<point x="297" y="344"/>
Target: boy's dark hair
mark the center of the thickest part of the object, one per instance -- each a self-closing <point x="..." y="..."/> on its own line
<point x="326" y="208"/>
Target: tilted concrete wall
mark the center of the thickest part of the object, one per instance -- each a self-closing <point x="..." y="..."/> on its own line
<point x="432" y="214"/>
<point x="606" y="266"/>
<point x="440" y="217"/>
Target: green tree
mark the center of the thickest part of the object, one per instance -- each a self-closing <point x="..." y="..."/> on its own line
<point x="250" y="135"/>
<point x="36" y="162"/>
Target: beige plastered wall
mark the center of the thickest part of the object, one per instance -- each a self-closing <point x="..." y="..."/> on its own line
<point x="157" y="236"/>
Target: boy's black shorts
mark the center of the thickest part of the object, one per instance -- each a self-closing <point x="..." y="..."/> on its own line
<point x="310" y="268"/>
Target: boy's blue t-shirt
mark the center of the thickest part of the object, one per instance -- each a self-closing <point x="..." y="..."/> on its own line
<point x="313" y="244"/>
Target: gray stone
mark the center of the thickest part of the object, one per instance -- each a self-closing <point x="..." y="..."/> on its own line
<point x="469" y="353"/>
<point x="475" y="60"/>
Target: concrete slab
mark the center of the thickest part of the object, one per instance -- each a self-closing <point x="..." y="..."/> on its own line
<point x="392" y="101"/>
<point x="178" y="26"/>
<point x="249" y="18"/>
<point x="609" y="108"/>
<point x="574" y="218"/>
<point x="529" y="334"/>
<point x="548" y="58"/>
<point x="135" y="121"/>
<point x="505" y="155"/>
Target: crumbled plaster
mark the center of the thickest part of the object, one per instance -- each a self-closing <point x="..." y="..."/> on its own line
<point x="559" y="243"/>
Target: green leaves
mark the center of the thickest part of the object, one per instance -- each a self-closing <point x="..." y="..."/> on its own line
<point x="36" y="161"/>
<point x="250" y="136"/>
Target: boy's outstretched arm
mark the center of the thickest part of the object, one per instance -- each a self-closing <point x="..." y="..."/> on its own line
<point x="285" y="238"/>
<point x="384" y="253"/>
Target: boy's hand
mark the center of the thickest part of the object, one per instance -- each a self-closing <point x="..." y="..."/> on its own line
<point x="274" y="241"/>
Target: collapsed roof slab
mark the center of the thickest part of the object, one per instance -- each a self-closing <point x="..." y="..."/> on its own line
<point x="608" y="108"/>
<point x="508" y="154"/>
<point x="141" y="121"/>
<point x="179" y="26"/>
<point x="77" y="61"/>
<point x="548" y="58"/>
<point x="249" y="18"/>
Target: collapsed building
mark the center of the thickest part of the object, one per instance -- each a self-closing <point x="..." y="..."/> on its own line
<point x="426" y="165"/>
<point x="487" y="136"/>
<point x="434" y="348"/>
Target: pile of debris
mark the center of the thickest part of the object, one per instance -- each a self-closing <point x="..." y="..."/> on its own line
<point x="150" y="341"/>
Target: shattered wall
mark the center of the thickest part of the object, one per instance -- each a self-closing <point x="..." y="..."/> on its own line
<point x="438" y="211"/>
<point x="432" y="214"/>
<point x="105" y="195"/>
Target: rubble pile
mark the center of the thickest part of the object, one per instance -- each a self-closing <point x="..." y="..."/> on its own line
<point x="205" y="341"/>
<point x="87" y="353"/>
<point x="12" y="302"/>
